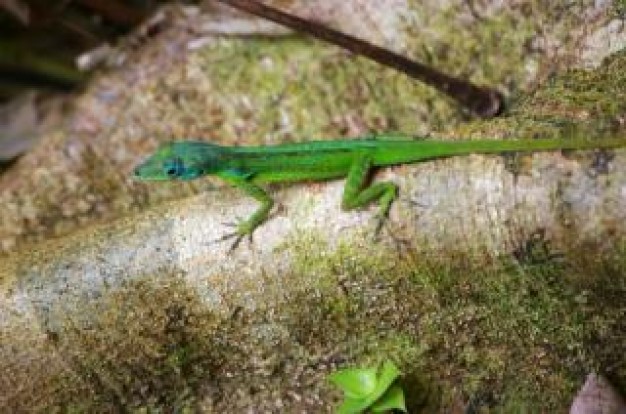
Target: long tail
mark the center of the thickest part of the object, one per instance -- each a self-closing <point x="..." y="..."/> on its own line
<point x="392" y="152"/>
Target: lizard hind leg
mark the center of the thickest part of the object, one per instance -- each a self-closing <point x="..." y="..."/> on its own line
<point x="357" y="193"/>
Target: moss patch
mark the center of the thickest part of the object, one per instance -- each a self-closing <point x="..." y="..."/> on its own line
<point x="577" y="102"/>
<point x="516" y="333"/>
<point x="520" y="331"/>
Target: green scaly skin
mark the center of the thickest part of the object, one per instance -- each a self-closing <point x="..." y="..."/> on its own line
<point x="247" y="167"/>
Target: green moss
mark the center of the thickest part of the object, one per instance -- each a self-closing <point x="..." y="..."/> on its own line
<point x="298" y="89"/>
<point x="144" y="347"/>
<point x="520" y="331"/>
<point x="577" y="102"/>
<point x="515" y="333"/>
<point x="619" y="8"/>
<point x="474" y="46"/>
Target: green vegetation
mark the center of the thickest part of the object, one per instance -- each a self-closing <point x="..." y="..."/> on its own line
<point x="514" y="333"/>
<point x="366" y="389"/>
<point x="503" y="333"/>
<point x="577" y="102"/>
<point x="619" y="8"/>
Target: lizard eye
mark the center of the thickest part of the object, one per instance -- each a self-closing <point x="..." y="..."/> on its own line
<point x="173" y="168"/>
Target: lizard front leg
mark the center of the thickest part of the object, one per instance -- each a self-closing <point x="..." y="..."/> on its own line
<point x="247" y="227"/>
<point x="357" y="194"/>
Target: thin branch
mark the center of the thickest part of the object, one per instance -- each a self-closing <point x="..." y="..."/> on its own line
<point x="482" y="101"/>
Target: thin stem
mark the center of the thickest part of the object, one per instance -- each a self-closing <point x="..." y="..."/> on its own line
<point x="482" y="101"/>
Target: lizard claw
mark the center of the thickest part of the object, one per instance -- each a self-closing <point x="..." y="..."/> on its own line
<point x="380" y="222"/>
<point x="233" y="224"/>
<point x="384" y="223"/>
<point x="412" y="203"/>
<point x="240" y="232"/>
<point x="233" y="235"/>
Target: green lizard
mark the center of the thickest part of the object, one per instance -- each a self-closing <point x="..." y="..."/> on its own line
<point x="247" y="167"/>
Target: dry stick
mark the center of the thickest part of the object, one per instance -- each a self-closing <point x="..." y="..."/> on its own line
<point x="482" y="101"/>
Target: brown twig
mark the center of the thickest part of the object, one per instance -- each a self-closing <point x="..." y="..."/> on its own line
<point x="482" y="101"/>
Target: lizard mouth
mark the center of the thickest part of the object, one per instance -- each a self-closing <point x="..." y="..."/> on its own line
<point x="147" y="172"/>
<point x="137" y="172"/>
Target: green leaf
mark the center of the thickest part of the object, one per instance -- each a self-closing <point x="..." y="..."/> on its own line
<point x="353" y="406"/>
<point x="356" y="383"/>
<point x="362" y="388"/>
<point x="392" y="399"/>
<point x="388" y="375"/>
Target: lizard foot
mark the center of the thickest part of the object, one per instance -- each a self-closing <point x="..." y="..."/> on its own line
<point x="380" y="221"/>
<point x="414" y="204"/>
<point x="241" y="231"/>
<point x="383" y="222"/>
<point x="234" y="235"/>
<point x="391" y="230"/>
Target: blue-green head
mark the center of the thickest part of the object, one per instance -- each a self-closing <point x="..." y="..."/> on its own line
<point x="181" y="160"/>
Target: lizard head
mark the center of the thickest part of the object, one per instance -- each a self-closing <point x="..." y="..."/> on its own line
<point x="183" y="160"/>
